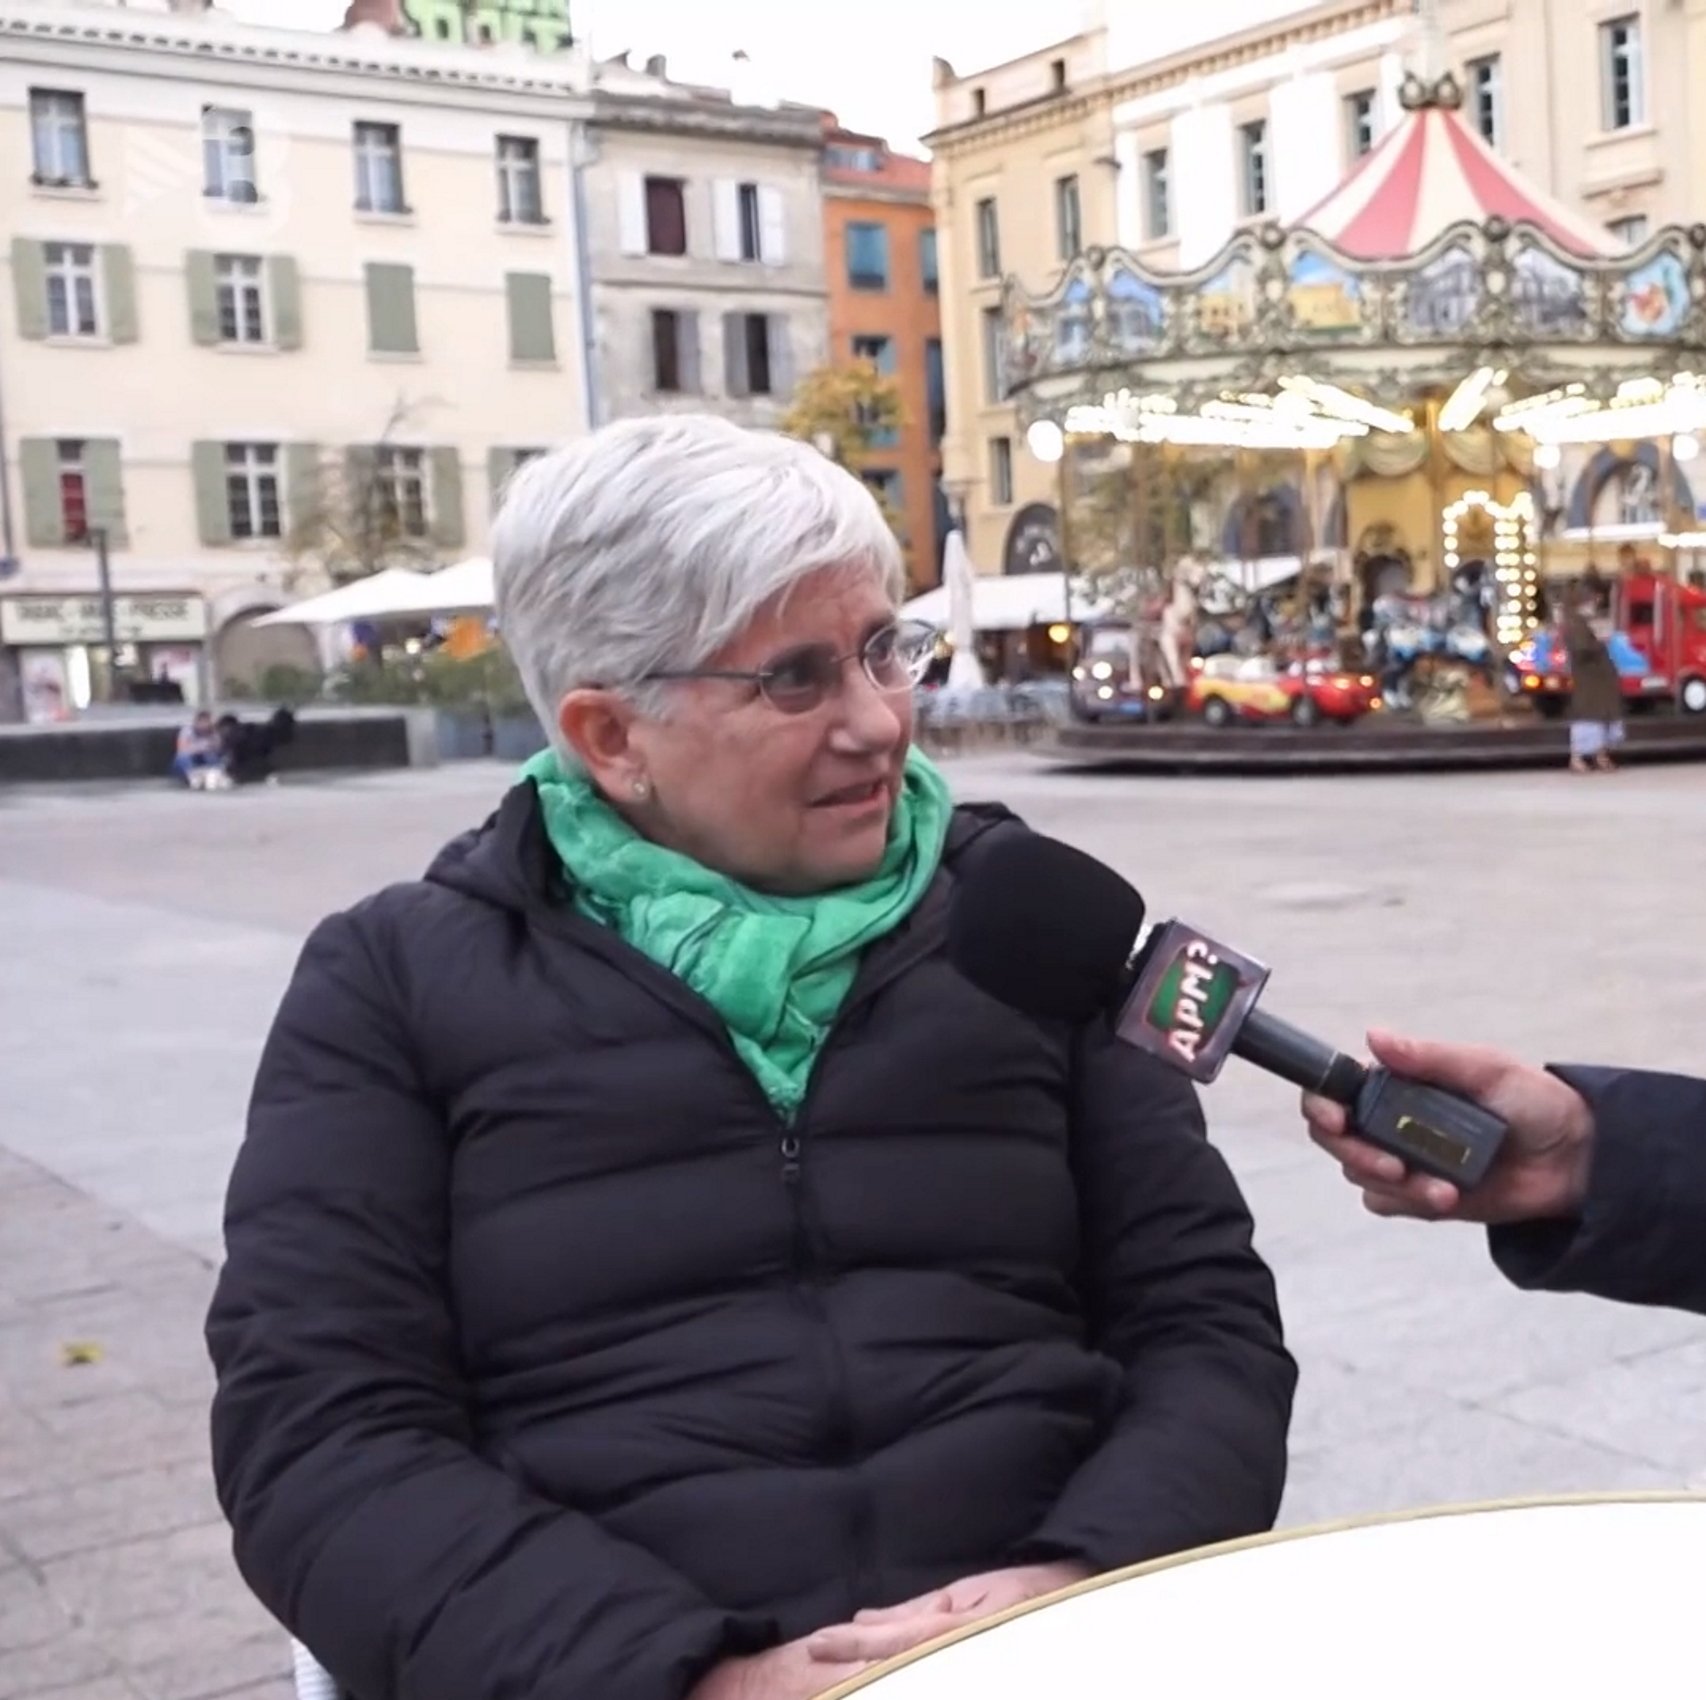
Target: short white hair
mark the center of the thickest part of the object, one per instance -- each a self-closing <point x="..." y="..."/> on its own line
<point x="652" y="543"/>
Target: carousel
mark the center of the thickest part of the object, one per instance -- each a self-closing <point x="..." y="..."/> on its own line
<point x="1375" y="442"/>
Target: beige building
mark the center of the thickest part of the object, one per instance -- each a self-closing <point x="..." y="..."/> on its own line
<point x="1182" y="123"/>
<point x="704" y="235"/>
<point x="273" y="304"/>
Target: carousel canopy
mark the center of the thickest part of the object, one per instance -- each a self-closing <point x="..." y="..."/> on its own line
<point x="1433" y="171"/>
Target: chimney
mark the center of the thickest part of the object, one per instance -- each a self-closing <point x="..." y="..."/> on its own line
<point x="658" y="66"/>
<point x="387" y="14"/>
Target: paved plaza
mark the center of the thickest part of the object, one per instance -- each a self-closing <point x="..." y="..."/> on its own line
<point x="147" y="935"/>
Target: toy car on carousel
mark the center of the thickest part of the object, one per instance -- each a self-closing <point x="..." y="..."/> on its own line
<point x="1229" y="690"/>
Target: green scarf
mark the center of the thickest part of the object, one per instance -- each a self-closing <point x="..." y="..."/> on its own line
<point x="777" y="969"/>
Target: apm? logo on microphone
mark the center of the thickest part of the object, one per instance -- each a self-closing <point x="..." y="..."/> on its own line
<point x="1190" y="999"/>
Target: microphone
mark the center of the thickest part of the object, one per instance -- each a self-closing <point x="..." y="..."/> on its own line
<point x="1057" y="935"/>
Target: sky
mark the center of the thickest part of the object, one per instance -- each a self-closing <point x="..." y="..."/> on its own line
<point x="868" y="61"/>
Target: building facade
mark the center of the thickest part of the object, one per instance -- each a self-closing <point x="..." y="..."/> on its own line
<point x="1182" y="124"/>
<point x="881" y="259"/>
<point x="276" y="306"/>
<point x="704" y="227"/>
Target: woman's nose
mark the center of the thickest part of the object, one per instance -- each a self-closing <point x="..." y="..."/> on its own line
<point x="866" y="718"/>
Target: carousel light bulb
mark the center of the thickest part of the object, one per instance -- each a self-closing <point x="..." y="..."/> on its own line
<point x="1686" y="447"/>
<point x="1046" y="441"/>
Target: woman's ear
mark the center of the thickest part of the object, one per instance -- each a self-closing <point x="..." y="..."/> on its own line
<point x="598" y="727"/>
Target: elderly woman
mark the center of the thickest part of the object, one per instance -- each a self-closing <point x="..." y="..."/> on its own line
<point x="652" y="1270"/>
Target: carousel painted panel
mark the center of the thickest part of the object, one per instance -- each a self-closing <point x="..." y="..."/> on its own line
<point x="1551" y="300"/>
<point x="1655" y="301"/>
<point x="1328" y="302"/>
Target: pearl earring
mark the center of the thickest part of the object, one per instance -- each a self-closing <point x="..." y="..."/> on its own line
<point x="642" y="789"/>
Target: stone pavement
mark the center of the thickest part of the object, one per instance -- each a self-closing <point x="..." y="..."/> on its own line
<point x="146" y="936"/>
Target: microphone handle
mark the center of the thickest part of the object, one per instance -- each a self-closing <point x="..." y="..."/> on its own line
<point x="1279" y="1048"/>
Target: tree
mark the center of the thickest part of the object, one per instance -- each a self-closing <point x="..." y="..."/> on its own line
<point x="847" y="412"/>
<point x="347" y="521"/>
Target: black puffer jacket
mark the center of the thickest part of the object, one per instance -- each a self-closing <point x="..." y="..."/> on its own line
<point x="551" y="1364"/>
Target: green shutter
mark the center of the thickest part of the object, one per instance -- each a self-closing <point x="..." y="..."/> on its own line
<point x="284" y="286"/>
<point x="302" y="493"/>
<point x="103" y="475"/>
<point x="119" y="275"/>
<point x="391" y="309"/>
<point x="212" y="497"/>
<point x="448" y="529"/>
<point x="355" y="515"/>
<point x="44" y="513"/>
<point x="204" y="298"/>
<point x="532" y="332"/>
<point x="500" y="464"/>
<point x="29" y="279"/>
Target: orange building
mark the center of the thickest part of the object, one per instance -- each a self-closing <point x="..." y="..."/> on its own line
<point x="880" y="233"/>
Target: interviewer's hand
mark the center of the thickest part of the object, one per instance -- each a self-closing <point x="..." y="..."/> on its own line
<point x="888" y="1631"/>
<point x="788" y="1672"/>
<point x="1541" y="1174"/>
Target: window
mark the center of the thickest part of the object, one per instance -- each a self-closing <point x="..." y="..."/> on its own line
<point x="666" y="352"/>
<point x="879" y="350"/>
<point x="666" y="216"/>
<point x="935" y="390"/>
<point x="988" y="240"/>
<point x="520" y="199"/>
<point x="842" y="157"/>
<point x="73" y="492"/>
<point x="1057" y="75"/>
<point x="1157" y="196"/>
<point x="1068" y="218"/>
<point x="400" y="489"/>
<point x="868" y="256"/>
<point x="60" y="137"/>
<point x="1631" y="231"/>
<point x="73" y="307"/>
<point x="751" y="223"/>
<point x="1253" y="161"/>
<point x="1622" y="80"/>
<point x="1487" y="98"/>
<point x="379" y="168"/>
<point x="251" y="489"/>
<point x="994" y="357"/>
<point x="979" y="103"/>
<point x="238" y="285"/>
<point x="927" y="263"/>
<point x="884" y="484"/>
<point x="758" y="375"/>
<point x="228" y="154"/>
<point x="1001" y="471"/>
<point x="1359" y="123"/>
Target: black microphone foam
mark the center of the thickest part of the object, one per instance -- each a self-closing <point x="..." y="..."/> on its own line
<point x="1042" y="927"/>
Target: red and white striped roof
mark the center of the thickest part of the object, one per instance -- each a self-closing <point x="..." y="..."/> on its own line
<point x="1432" y="171"/>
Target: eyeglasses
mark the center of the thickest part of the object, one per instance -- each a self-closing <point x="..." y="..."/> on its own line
<point x="894" y="658"/>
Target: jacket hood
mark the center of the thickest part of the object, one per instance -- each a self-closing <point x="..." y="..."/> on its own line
<point x="509" y="863"/>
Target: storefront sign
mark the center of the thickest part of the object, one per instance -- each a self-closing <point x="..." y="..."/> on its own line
<point x="1033" y="541"/>
<point x="57" y="621"/>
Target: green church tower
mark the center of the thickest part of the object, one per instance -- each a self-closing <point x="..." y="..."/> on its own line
<point x="543" y="24"/>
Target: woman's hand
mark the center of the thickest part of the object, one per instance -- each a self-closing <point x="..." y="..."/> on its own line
<point x="1541" y="1174"/>
<point x="788" y="1672"/>
<point x="888" y="1631"/>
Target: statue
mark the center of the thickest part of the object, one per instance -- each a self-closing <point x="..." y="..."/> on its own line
<point x="1179" y="621"/>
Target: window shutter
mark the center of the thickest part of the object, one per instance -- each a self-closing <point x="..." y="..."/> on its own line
<point x="103" y="474"/>
<point x="284" y="287"/>
<point x="735" y="379"/>
<point x="448" y="530"/>
<point x="772" y="225"/>
<point x="631" y="212"/>
<point x="356" y="513"/>
<point x="391" y="325"/>
<point x="204" y="298"/>
<point x="119" y="277"/>
<point x="781" y="356"/>
<point x="29" y="279"/>
<point x="212" y="501"/>
<point x="44" y="514"/>
<point x="532" y="333"/>
<point x="302" y="494"/>
<point x="687" y="346"/>
<point x="725" y="217"/>
<point x="500" y="464"/>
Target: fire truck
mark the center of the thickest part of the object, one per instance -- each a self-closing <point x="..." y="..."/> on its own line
<point x="1658" y="643"/>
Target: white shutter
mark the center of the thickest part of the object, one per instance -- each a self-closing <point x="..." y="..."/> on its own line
<point x="687" y="350"/>
<point x="725" y="217"/>
<point x="631" y="212"/>
<point x="781" y="345"/>
<point x="772" y="225"/>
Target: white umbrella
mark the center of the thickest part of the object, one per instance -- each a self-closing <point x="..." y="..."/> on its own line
<point x="370" y="598"/>
<point x="965" y="671"/>
<point x="463" y="588"/>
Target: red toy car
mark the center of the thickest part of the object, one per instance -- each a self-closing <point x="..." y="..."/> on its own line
<point x="1227" y="689"/>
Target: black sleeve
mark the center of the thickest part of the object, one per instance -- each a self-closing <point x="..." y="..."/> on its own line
<point x="1177" y="1295"/>
<point x="343" y="1448"/>
<point x="1641" y="1236"/>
